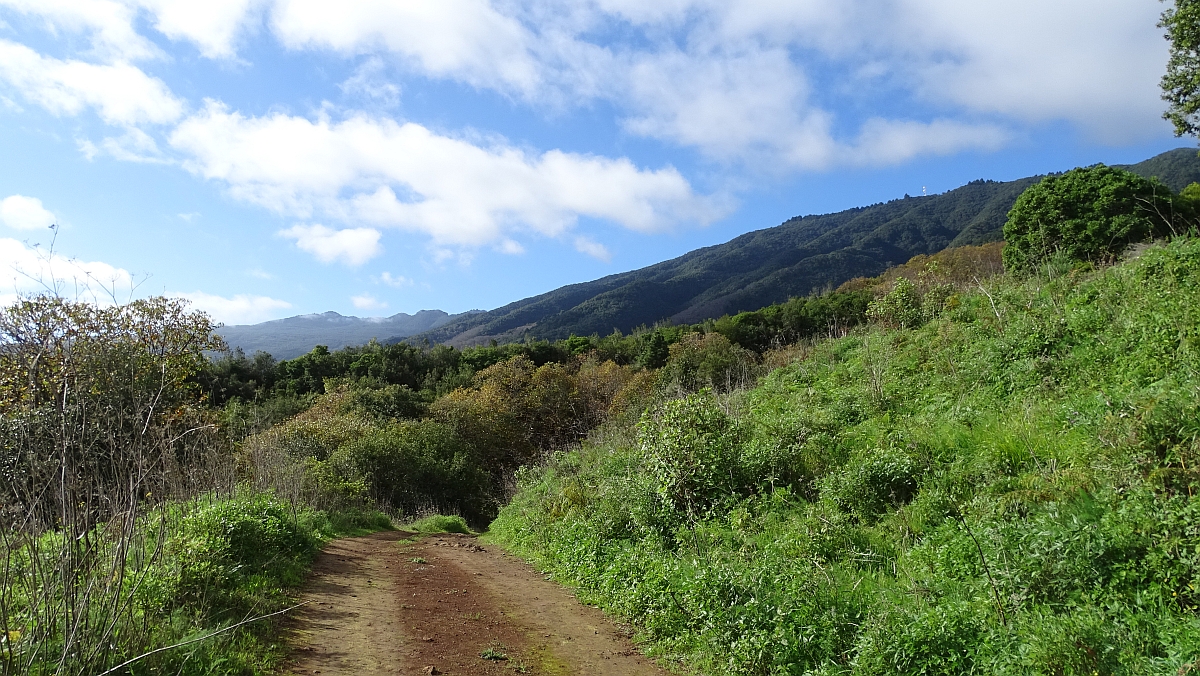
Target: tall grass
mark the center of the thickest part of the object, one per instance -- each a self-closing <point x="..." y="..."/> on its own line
<point x="1009" y="485"/>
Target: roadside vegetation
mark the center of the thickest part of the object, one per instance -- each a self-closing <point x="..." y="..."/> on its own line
<point x="126" y="525"/>
<point x="992" y="476"/>
<point x="949" y="468"/>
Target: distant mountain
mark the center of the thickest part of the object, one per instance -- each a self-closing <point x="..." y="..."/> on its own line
<point x="803" y="255"/>
<point x="294" y="336"/>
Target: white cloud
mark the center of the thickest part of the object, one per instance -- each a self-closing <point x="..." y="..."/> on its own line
<point x="1095" y="63"/>
<point x="240" y="309"/>
<point x="109" y="23"/>
<point x="730" y="106"/>
<point x="397" y="281"/>
<point x="370" y="83"/>
<point x="120" y="93"/>
<point x="26" y="269"/>
<point x="592" y="248"/>
<point x="894" y="141"/>
<point x="510" y="247"/>
<point x="383" y="173"/>
<point x="352" y="246"/>
<point x="212" y="25"/>
<point x="464" y="39"/>
<point x="732" y="79"/>
<point x="25" y="213"/>
<point x="367" y="302"/>
<point x="134" y="145"/>
<point x="761" y="83"/>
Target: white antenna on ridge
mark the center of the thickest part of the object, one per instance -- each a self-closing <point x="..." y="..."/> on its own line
<point x="923" y="193"/>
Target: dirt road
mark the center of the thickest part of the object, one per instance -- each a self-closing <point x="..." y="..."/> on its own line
<point x="394" y="603"/>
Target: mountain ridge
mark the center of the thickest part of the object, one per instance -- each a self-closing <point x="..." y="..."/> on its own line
<point x="293" y="336"/>
<point x="800" y="256"/>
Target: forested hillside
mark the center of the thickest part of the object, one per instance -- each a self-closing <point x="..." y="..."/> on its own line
<point x="801" y="256"/>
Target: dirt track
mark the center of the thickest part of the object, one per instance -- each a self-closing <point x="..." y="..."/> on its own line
<point x="385" y="604"/>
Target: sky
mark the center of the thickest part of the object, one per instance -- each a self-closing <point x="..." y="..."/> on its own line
<point x="267" y="158"/>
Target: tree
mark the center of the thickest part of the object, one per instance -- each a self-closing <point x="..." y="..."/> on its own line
<point x="1181" y="84"/>
<point x="1087" y="214"/>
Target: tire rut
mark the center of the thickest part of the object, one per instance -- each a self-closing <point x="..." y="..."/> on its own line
<point x="398" y="603"/>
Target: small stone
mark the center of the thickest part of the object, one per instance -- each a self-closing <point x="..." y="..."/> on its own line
<point x="430" y="670"/>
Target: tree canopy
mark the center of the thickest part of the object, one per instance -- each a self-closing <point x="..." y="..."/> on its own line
<point x="1181" y="84"/>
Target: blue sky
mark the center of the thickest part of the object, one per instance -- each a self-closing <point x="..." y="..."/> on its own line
<point x="265" y="158"/>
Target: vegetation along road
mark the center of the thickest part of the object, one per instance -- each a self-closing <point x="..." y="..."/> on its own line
<point x="397" y="603"/>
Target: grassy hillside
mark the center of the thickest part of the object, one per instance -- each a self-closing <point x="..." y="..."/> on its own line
<point x="796" y="258"/>
<point x="1011" y="487"/>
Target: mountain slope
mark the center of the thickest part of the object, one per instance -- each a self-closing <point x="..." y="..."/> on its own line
<point x="800" y="256"/>
<point x="294" y="336"/>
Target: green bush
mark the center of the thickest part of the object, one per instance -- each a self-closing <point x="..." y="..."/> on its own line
<point x="692" y="452"/>
<point x="900" y="308"/>
<point x="440" y="524"/>
<point x="874" y="482"/>
<point x="223" y="546"/>
<point x="417" y="465"/>
<point x="1089" y="214"/>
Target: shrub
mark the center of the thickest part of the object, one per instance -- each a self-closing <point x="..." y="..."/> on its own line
<point x="414" y="465"/>
<point x="692" y="450"/>
<point x="441" y="524"/>
<point x="223" y="545"/>
<point x="707" y="360"/>
<point x="1090" y="214"/>
<point x="873" y="482"/>
<point x="900" y="308"/>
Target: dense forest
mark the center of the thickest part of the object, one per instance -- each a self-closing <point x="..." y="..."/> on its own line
<point x="981" y="461"/>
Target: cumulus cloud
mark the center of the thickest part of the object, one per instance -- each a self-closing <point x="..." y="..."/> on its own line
<point x="761" y="83"/>
<point x="240" y="309"/>
<point x="25" y="213"/>
<point x="120" y="93"/>
<point x="384" y="173"/>
<point x="213" y="25"/>
<point x="1095" y="63"/>
<point x="468" y="40"/>
<point x="111" y="25"/>
<point x="108" y="23"/>
<point x="894" y="141"/>
<point x="352" y="246"/>
<point x="747" y="105"/>
<point x="731" y="79"/>
<point x="367" y="302"/>
<point x="29" y="269"/>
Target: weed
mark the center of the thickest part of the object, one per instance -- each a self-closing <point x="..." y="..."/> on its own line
<point x="494" y="653"/>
